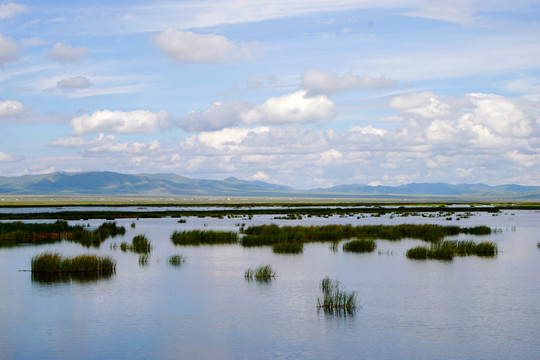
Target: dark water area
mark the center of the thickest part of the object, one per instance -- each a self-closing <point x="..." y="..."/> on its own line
<point x="468" y="308"/>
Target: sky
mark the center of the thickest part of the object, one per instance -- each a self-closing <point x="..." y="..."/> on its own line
<point x="309" y="94"/>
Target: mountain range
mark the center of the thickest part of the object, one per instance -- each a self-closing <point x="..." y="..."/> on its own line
<point x="112" y="183"/>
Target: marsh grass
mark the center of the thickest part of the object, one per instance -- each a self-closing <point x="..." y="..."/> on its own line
<point x="49" y="262"/>
<point x="140" y="244"/>
<point x="288" y="248"/>
<point x="207" y="237"/>
<point x="263" y="273"/>
<point x="177" y="260"/>
<point x="16" y="233"/>
<point x="446" y="250"/>
<point x="360" y="245"/>
<point x="335" y="299"/>
<point x="272" y="234"/>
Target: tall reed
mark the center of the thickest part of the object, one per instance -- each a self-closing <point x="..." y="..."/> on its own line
<point x="335" y="298"/>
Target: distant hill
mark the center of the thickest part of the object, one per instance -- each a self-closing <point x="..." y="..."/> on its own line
<point x="111" y="183"/>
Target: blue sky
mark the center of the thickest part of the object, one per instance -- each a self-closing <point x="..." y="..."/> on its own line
<point x="303" y="93"/>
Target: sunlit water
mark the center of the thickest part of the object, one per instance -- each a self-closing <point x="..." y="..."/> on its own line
<point x="469" y="308"/>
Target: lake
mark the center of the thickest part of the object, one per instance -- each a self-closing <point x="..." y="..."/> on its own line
<point x="468" y="308"/>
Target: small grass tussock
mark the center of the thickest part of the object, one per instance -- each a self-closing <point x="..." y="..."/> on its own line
<point x="334" y="298"/>
<point x="263" y="273"/>
<point x="360" y="245"/>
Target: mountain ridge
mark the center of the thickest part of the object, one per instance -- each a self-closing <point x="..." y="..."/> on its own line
<point x="113" y="183"/>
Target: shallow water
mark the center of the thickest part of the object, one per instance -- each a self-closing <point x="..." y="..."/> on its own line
<point x="469" y="308"/>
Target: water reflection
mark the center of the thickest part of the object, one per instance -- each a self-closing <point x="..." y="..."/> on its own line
<point x="80" y="277"/>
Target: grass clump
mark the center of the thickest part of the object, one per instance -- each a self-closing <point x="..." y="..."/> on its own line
<point x="49" y="262"/>
<point x="360" y="245"/>
<point x="446" y="250"/>
<point x="177" y="260"/>
<point x="207" y="237"/>
<point x="139" y="244"/>
<point x="263" y="273"/>
<point x="335" y="298"/>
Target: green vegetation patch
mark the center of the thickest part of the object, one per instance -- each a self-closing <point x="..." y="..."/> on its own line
<point x="446" y="250"/>
<point x="49" y="262"/>
<point x="16" y="233"/>
<point x="334" y="298"/>
<point x="200" y="237"/>
<point x="139" y="244"/>
<point x="273" y="234"/>
<point x="360" y="245"/>
<point x="263" y="273"/>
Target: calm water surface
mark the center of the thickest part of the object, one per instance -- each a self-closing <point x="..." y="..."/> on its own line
<point x="469" y="308"/>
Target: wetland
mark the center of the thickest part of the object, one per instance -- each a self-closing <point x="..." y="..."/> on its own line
<point x="208" y="283"/>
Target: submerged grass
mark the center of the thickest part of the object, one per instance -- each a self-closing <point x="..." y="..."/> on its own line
<point x="288" y="247"/>
<point x="177" y="260"/>
<point x="334" y="298"/>
<point x="50" y="262"/>
<point x="446" y="250"/>
<point x="263" y="273"/>
<point x="360" y="245"/>
<point x="200" y="237"/>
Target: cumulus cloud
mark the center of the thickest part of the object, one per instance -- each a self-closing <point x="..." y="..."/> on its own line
<point x="9" y="10"/>
<point x="500" y="115"/>
<point x="73" y="83"/>
<point x="108" y="144"/>
<point x="8" y="50"/>
<point x="66" y="54"/>
<point x="317" y="82"/>
<point x="11" y="108"/>
<point x="188" y="47"/>
<point x="425" y="105"/>
<point x="296" y="107"/>
<point x="137" y="121"/>
<point x="219" y="116"/>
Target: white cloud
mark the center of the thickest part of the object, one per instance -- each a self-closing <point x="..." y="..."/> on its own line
<point x="219" y="116"/>
<point x="188" y="47"/>
<point x="6" y="157"/>
<point x="137" y="121"/>
<point x="261" y="176"/>
<point x="296" y="107"/>
<point x="500" y="115"/>
<point x="9" y="10"/>
<point x="11" y="108"/>
<point x="8" y="50"/>
<point x="463" y="12"/>
<point x="72" y="83"/>
<point x="425" y="105"/>
<point x="65" y="53"/>
<point x="107" y="144"/>
<point x="317" y="82"/>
